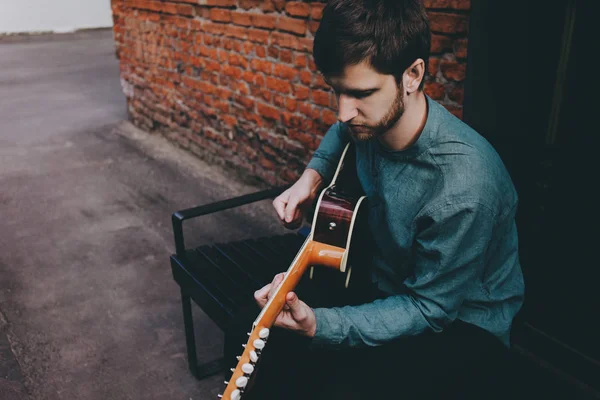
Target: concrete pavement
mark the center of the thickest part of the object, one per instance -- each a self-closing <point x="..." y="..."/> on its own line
<point x="88" y="308"/>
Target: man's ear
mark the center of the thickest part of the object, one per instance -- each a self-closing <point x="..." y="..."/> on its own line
<point x="413" y="75"/>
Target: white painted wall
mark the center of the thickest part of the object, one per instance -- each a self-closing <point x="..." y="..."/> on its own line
<point x="53" y="15"/>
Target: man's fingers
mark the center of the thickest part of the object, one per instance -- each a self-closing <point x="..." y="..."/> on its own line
<point x="261" y="295"/>
<point x="291" y="209"/>
<point x="280" y="202"/>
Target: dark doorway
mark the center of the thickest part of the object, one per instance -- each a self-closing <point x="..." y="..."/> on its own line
<point x="521" y="95"/>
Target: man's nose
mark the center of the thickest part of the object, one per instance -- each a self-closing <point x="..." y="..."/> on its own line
<point x="346" y="109"/>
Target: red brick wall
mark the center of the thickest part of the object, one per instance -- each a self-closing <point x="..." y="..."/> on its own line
<point x="234" y="80"/>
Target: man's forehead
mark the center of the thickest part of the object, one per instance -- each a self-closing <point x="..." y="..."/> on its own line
<point x="356" y="77"/>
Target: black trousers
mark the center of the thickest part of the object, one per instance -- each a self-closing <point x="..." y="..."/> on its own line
<point x="462" y="362"/>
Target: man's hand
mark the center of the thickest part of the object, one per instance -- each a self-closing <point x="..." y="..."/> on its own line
<point x="296" y="315"/>
<point x="292" y="203"/>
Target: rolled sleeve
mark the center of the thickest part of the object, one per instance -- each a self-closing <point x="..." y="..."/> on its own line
<point x="326" y="158"/>
<point x="449" y="253"/>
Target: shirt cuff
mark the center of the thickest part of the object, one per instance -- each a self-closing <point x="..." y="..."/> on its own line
<point x="328" y="333"/>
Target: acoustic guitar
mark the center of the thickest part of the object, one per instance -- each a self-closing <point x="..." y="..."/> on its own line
<point x="337" y="216"/>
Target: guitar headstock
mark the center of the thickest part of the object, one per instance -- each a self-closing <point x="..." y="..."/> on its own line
<point x="242" y="374"/>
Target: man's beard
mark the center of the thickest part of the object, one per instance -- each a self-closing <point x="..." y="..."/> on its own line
<point x="367" y="132"/>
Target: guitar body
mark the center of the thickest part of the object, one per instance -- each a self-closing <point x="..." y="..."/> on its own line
<point x="339" y="215"/>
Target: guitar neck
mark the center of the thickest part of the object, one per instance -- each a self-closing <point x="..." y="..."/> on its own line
<point x="269" y="313"/>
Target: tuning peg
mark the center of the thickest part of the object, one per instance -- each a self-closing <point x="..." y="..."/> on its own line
<point x="241" y="382"/>
<point x="264" y="333"/>
<point x="253" y="356"/>
<point x="232" y="369"/>
<point x="248" y="333"/>
<point x="259" y="344"/>
<point x="238" y="357"/>
<point x="227" y="382"/>
<point x="220" y="396"/>
<point x="244" y="345"/>
<point x="236" y="394"/>
<point x="247" y="368"/>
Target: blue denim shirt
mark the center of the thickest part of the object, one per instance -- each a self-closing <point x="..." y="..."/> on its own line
<point x="442" y="216"/>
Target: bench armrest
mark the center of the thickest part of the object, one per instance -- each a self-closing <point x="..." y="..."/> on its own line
<point x="178" y="217"/>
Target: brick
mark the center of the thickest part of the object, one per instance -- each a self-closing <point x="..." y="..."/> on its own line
<point x="213" y="66"/>
<point x="229" y="120"/>
<point x="316" y="10"/>
<point x="301" y="92"/>
<point x="440" y="43"/>
<point x="278" y="85"/>
<point x="306" y="139"/>
<point x="258" y="36"/>
<point x="248" y="4"/>
<point x="297" y="9"/>
<point x="291" y="104"/>
<point x="219" y="15"/>
<point x="185" y="9"/>
<point x="461" y="47"/>
<point x="168" y="8"/>
<point x="231" y="71"/>
<point x="284" y="40"/>
<point x="453" y="70"/>
<point x="279" y="5"/>
<point x="247" y="48"/>
<point x="236" y="59"/>
<point x="236" y="32"/>
<point x="306" y="77"/>
<point x="261" y="51"/>
<point x="264" y="21"/>
<point x="243" y="19"/>
<point x="241" y="87"/>
<point x="262" y="66"/>
<point x="328" y="117"/>
<point x="266" y="163"/>
<point x="305" y="44"/>
<point x="435" y="90"/>
<point x="285" y="56"/>
<point x="434" y="65"/>
<point x="218" y="3"/>
<point x="448" y="23"/>
<point x="268" y="111"/>
<point x="245" y="101"/>
<point x="320" y="97"/>
<point x="215" y="29"/>
<point x="452" y="4"/>
<point x="259" y="79"/>
<point x="279" y="100"/>
<point x="297" y="26"/>
<point x="285" y="72"/>
<point x="300" y="60"/>
<point x="248" y="76"/>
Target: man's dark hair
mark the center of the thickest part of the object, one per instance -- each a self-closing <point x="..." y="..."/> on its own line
<point x="389" y="34"/>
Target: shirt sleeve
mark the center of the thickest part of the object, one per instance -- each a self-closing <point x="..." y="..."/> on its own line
<point x="449" y="251"/>
<point x="327" y="156"/>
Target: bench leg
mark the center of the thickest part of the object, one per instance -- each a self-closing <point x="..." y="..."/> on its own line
<point x="199" y="371"/>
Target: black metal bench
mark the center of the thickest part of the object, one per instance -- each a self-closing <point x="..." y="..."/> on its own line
<point x="221" y="278"/>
